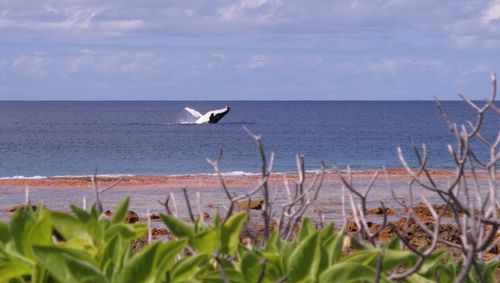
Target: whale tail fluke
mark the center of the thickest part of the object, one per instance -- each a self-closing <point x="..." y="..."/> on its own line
<point x="211" y="117"/>
<point x="193" y="112"/>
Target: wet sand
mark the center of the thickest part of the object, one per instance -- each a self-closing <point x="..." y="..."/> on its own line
<point x="192" y="181"/>
<point x="208" y="198"/>
<point x="146" y="191"/>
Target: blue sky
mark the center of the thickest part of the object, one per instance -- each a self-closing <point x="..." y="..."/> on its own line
<point x="247" y="49"/>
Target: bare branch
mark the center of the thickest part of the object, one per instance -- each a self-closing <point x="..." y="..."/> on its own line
<point x="188" y="204"/>
<point x="165" y="204"/>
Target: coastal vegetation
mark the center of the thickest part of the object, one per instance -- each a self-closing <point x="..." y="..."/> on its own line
<point x="88" y="246"/>
<point x="281" y="244"/>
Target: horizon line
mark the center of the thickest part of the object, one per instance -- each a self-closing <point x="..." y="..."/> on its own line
<point x="237" y="100"/>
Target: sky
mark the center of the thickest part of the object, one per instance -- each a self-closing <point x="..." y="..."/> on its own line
<point x="247" y="49"/>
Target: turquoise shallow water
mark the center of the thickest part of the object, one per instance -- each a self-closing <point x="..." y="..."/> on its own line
<point x="71" y="138"/>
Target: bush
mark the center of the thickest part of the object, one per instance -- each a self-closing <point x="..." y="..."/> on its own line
<point x="54" y="246"/>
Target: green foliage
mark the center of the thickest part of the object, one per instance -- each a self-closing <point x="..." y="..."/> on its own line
<point x="87" y="246"/>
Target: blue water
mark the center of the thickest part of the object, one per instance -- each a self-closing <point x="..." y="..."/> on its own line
<point x="72" y="138"/>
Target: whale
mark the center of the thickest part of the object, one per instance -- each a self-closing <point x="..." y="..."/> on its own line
<point x="211" y="117"/>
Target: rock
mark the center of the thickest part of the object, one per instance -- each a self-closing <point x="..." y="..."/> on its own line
<point x="154" y="216"/>
<point x="386" y="234"/>
<point x="157" y="232"/>
<point x="140" y="243"/>
<point x="19" y="206"/>
<point x="379" y="211"/>
<point x="132" y="217"/>
<point x="328" y="203"/>
<point x="346" y="244"/>
<point x="416" y="235"/>
<point x="247" y="241"/>
<point x="256" y="204"/>
<point x="351" y="226"/>
<point x="489" y="256"/>
<point x="206" y="216"/>
<point x="496" y="248"/>
<point x="424" y="213"/>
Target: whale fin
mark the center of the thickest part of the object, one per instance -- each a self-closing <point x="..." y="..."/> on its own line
<point x="193" y="112"/>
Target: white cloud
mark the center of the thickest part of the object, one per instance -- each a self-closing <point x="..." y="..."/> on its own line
<point x="484" y="69"/>
<point x="463" y="41"/>
<point x="121" y="26"/>
<point x="204" y="16"/>
<point x="201" y="17"/>
<point x="105" y="63"/>
<point x="255" y="61"/>
<point x="225" y="43"/>
<point x="189" y="12"/>
<point x="387" y="66"/>
<point x="216" y="60"/>
<point x="492" y="13"/>
<point x="259" y="10"/>
<point x="34" y="65"/>
<point x="67" y="20"/>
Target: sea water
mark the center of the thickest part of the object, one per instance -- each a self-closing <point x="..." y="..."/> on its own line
<point x="60" y="138"/>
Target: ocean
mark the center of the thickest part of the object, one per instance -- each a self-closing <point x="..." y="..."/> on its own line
<point x="61" y="138"/>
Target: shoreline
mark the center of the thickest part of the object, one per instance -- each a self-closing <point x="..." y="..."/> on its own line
<point x="201" y="180"/>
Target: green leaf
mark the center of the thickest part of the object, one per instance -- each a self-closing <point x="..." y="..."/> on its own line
<point x="431" y="262"/>
<point x="391" y="258"/>
<point x="4" y="232"/>
<point x="285" y="253"/>
<point x="488" y="271"/>
<point x="274" y="269"/>
<point x="67" y="265"/>
<point x="250" y="266"/>
<point x="365" y="257"/>
<point x="349" y="272"/>
<point x="189" y="267"/>
<point x="141" y="267"/>
<point x="214" y="276"/>
<point x="326" y="232"/>
<point x="81" y="214"/>
<point x="447" y="271"/>
<point x="11" y="253"/>
<point x="12" y="270"/>
<point x="41" y="232"/>
<point x="324" y="262"/>
<point x="151" y="263"/>
<point x="113" y="255"/>
<point x="167" y="253"/>
<point x="230" y="232"/>
<point x="307" y="228"/>
<point x="69" y="226"/>
<point x="28" y="228"/>
<point x="334" y="247"/>
<point x="127" y="231"/>
<point x="393" y="244"/>
<point x="95" y="222"/>
<point x="178" y="227"/>
<point x="394" y="258"/>
<point x="417" y="278"/>
<point x="207" y="241"/>
<point x="305" y="260"/>
<point x="359" y="244"/>
<point x="20" y="225"/>
<point x="121" y="211"/>
<point x="272" y="242"/>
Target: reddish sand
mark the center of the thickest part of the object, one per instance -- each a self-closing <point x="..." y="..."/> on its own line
<point x="198" y="180"/>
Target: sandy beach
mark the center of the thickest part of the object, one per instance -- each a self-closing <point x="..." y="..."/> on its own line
<point x="196" y="180"/>
<point x="146" y="191"/>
